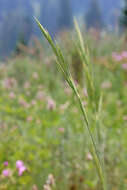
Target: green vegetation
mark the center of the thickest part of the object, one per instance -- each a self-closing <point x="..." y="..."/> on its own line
<point x="42" y="134"/>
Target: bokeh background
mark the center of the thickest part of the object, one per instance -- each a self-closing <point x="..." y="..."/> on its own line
<point x="17" y="23"/>
<point x="44" y="144"/>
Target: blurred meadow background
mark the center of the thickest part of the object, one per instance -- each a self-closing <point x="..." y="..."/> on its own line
<point x="44" y="144"/>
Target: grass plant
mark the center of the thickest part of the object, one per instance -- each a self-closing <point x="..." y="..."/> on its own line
<point x="85" y="57"/>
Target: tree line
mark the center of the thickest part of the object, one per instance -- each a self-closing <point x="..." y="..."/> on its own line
<point x="17" y="23"/>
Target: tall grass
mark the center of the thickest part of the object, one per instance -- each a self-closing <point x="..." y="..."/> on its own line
<point x="85" y="58"/>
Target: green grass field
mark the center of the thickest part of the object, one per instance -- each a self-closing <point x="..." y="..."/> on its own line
<point x="42" y="127"/>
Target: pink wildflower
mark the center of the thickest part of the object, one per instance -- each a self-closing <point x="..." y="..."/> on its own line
<point x="19" y="164"/>
<point x="34" y="187"/>
<point x="40" y="95"/>
<point x="9" y="83"/>
<point x="46" y="187"/>
<point x="12" y="95"/>
<point x="6" y="163"/>
<point x="6" y="173"/>
<point x="29" y="118"/>
<point x="33" y="102"/>
<point x="124" y="54"/>
<point x="84" y="103"/>
<point x="61" y="129"/>
<point x="23" y="103"/>
<point x="125" y="117"/>
<point x="124" y="66"/>
<point x="21" y="170"/>
<point x="85" y="92"/>
<point x="50" y="181"/>
<point x="89" y="157"/>
<point x="116" y="57"/>
<point x="51" y="104"/>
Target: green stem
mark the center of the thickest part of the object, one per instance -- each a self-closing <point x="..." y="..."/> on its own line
<point x="93" y="147"/>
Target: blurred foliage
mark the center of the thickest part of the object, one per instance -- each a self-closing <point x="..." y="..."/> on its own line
<point x="41" y="124"/>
